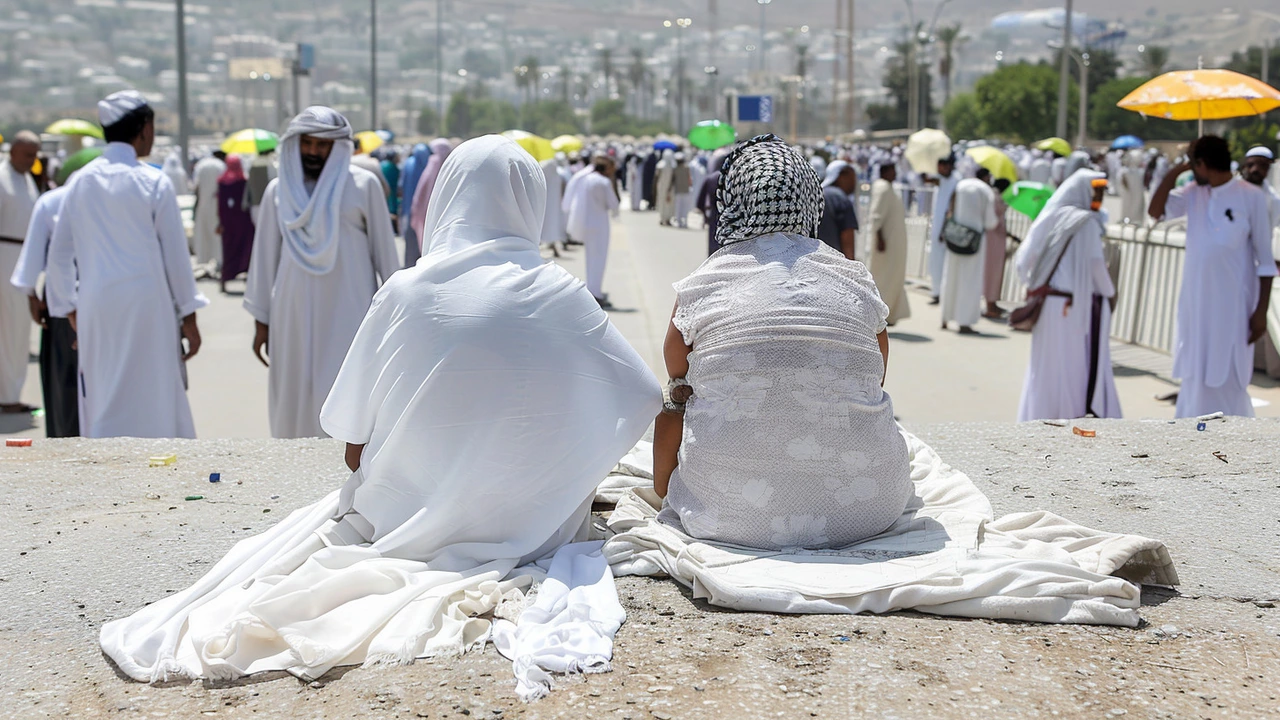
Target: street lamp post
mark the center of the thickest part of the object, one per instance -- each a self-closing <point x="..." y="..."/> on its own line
<point x="764" y="56"/>
<point x="1082" y="61"/>
<point x="680" y="25"/>
<point x="1063" y="72"/>
<point x="373" y="64"/>
<point x="184" y="129"/>
<point x="439" y="67"/>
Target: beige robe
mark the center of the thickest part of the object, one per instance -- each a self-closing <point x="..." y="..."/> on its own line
<point x="889" y="268"/>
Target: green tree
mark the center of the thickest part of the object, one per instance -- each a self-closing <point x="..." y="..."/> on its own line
<point x="1258" y="133"/>
<point x="428" y="121"/>
<point x="473" y="113"/>
<point x="949" y="40"/>
<point x="1153" y="59"/>
<point x="610" y="116"/>
<point x="550" y="118"/>
<point x="896" y="80"/>
<point x="1108" y="121"/>
<point x="1020" y="101"/>
<point x="480" y="63"/>
<point x="1249" y="61"/>
<point x="1104" y="66"/>
<point x="639" y="76"/>
<point x="962" y="116"/>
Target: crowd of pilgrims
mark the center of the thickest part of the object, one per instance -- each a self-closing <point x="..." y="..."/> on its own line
<point x="473" y="367"/>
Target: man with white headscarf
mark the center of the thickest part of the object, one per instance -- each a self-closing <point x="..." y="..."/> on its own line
<point x="482" y="401"/>
<point x="1070" y="374"/>
<point x="946" y="183"/>
<point x="120" y="272"/>
<point x="18" y="195"/>
<point x="324" y="245"/>
<point x="665" y="180"/>
<point x="208" y="245"/>
<point x="553" y="223"/>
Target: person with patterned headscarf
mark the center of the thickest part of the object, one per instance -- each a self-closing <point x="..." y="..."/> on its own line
<point x="778" y="432"/>
<point x="324" y="244"/>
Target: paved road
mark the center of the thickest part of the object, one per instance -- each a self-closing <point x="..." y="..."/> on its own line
<point x="934" y="376"/>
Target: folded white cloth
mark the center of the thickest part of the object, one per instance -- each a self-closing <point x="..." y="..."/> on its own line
<point x="571" y="625"/>
<point x="634" y="471"/>
<point x="945" y="556"/>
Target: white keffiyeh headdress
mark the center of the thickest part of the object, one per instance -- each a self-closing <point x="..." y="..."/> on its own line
<point x="310" y="222"/>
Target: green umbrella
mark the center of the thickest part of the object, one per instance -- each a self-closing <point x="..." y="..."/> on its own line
<point x="1028" y="198"/>
<point x="74" y="126"/>
<point x="712" y="135"/>
<point x="76" y="161"/>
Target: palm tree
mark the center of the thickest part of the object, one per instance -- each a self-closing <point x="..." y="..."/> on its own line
<point x="1154" y="58"/>
<point x="950" y="39"/>
<point x="638" y="74"/>
<point x="606" y="68"/>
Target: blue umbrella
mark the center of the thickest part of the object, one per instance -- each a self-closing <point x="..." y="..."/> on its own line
<point x="1127" y="142"/>
<point x="665" y="145"/>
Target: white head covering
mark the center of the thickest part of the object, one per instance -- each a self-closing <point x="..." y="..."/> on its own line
<point x="833" y="172"/>
<point x="490" y="196"/>
<point x="309" y="222"/>
<point x="1065" y="213"/>
<point x="1261" y="151"/>
<point x="115" y="106"/>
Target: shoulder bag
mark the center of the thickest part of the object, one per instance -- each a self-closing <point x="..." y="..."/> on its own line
<point x="1024" y="317"/>
<point x="960" y="239"/>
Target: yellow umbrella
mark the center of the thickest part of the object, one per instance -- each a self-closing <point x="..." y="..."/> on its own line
<point x="1055" y="145"/>
<point x="367" y="142"/>
<point x="925" y="148"/>
<point x="994" y="160"/>
<point x="1202" y="95"/>
<point x="539" y="147"/>
<point x="566" y="144"/>
<point x="250" y="142"/>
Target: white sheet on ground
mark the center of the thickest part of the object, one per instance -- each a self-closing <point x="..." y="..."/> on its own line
<point x="944" y="556"/>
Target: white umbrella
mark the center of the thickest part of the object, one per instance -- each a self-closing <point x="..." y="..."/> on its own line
<point x="925" y="148"/>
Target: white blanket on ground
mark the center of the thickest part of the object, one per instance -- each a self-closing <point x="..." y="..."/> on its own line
<point x="634" y="472"/>
<point x="944" y="556"/>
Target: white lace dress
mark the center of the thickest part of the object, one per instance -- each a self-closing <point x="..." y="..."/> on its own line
<point x="789" y="439"/>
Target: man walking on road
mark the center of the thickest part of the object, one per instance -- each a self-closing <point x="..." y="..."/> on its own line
<point x="1226" y="281"/>
<point x="946" y="182"/>
<point x="591" y="203"/>
<point x="1255" y="169"/>
<point x="323" y="246"/>
<point x="18" y="196"/>
<point x="975" y="208"/>
<point x="119" y="271"/>
<point x="887" y="223"/>
<point x="208" y="245"/>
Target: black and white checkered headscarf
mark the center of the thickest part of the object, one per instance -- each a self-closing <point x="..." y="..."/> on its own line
<point x="766" y="187"/>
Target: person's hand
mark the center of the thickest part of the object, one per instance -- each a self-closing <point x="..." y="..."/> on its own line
<point x="1180" y="168"/>
<point x="71" y="318"/>
<point x="260" y="335"/>
<point x="39" y="311"/>
<point x="1257" y="326"/>
<point x="880" y="246"/>
<point x="218" y="231"/>
<point x="190" y="333"/>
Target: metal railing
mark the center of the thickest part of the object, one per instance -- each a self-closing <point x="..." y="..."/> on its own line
<point x="1146" y="264"/>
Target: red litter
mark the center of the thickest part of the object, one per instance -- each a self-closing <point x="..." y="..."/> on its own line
<point x="18" y="442"/>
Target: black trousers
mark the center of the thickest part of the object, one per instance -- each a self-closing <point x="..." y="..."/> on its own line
<point x="59" y="370"/>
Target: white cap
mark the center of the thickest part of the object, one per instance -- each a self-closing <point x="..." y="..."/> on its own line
<point x="1260" y="151"/>
<point x="116" y="105"/>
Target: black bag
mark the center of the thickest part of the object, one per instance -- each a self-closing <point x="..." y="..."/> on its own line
<point x="959" y="239"/>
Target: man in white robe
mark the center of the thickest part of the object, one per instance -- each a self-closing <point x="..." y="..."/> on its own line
<point x="120" y="272"/>
<point x="665" y="182"/>
<point x="975" y="208"/>
<point x="1255" y="169"/>
<point x="553" y="221"/>
<point x="323" y="247"/>
<point x="1070" y="373"/>
<point x="1226" y="280"/>
<point x="593" y="201"/>
<point x="946" y="185"/>
<point x="1133" y="194"/>
<point x="887" y="229"/>
<point x="208" y="244"/>
<point x="18" y="196"/>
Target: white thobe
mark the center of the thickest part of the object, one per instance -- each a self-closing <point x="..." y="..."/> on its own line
<point x="207" y="242"/>
<point x="962" y="276"/>
<point x="1133" y="199"/>
<point x="570" y="197"/>
<point x="1273" y="310"/>
<point x="312" y="318"/>
<point x="1057" y="379"/>
<point x="1040" y="171"/>
<point x="589" y="212"/>
<point x="35" y="250"/>
<point x="937" y="250"/>
<point x="553" y="221"/>
<point x="635" y="184"/>
<point x="18" y="195"/>
<point x="666" y="190"/>
<point x="1228" y="249"/>
<point x="119" y="260"/>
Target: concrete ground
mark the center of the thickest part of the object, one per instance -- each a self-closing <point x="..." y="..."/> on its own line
<point x="94" y="534"/>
